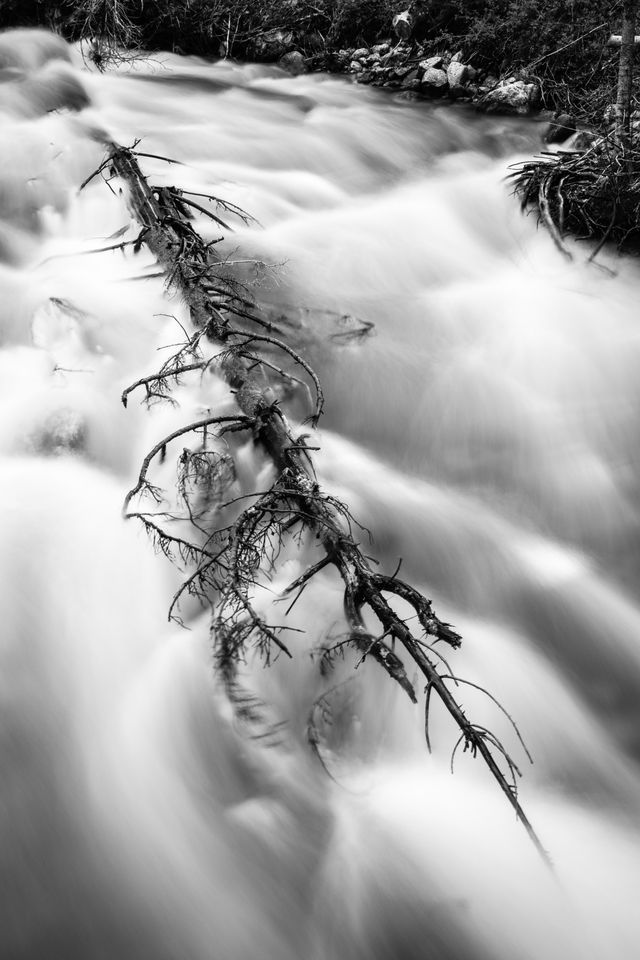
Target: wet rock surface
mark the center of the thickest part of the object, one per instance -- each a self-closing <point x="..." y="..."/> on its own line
<point x="404" y="65"/>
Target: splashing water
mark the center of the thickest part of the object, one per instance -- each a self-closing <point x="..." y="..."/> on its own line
<point x="486" y="433"/>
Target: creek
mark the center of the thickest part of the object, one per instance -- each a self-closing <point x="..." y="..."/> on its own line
<point x="485" y="431"/>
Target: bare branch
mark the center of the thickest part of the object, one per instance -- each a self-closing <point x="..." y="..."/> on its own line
<point x="294" y="509"/>
<point x="235" y="422"/>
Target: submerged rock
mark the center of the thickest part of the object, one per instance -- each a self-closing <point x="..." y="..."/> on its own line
<point x="63" y="432"/>
<point x="411" y="81"/>
<point x="293" y="63"/>
<point x="581" y="140"/>
<point x="29" y="49"/>
<point x="560" y="128"/>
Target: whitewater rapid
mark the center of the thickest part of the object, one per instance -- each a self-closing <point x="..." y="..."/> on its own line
<point x="485" y="432"/>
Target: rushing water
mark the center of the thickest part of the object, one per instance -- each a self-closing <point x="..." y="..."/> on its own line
<point x="487" y="433"/>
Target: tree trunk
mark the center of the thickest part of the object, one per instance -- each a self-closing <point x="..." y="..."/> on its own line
<point x="625" y="75"/>
<point x="227" y="568"/>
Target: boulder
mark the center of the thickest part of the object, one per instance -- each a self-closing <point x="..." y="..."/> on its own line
<point x="433" y="82"/>
<point x="273" y="45"/>
<point x="511" y="96"/>
<point x="355" y="66"/>
<point x="560" y="128"/>
<point x="436" y="62"/>
<point x="411" y="81"/>
<point x="360" y="53"/>
<point x="293" y="63"/>
<point x="457" y="75"/>
<point x="313" y="42"/>
<point x="402" y="25"/>
<point x="581" y="140"/>
<point x="402" y="70"/>
<point x="28" y="49"/>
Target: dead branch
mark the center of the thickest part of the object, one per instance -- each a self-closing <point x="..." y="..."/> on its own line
<point x="294" y="510"/>
<point x="231" y="423"/>
<point x="593" y="195"/>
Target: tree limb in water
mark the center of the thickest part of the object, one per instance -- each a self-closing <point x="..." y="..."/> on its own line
<point x="233" y="556"/>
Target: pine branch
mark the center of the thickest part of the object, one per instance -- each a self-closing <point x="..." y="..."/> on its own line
<point x="294" y="507"/>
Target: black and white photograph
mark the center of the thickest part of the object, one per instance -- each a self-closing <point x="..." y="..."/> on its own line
<point x="319" y="480"/>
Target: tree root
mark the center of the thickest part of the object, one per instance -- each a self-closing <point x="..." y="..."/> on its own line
<point x="593" y="195"/>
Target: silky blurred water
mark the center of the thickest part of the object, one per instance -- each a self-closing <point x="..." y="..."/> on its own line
<point x="486" y="433"/>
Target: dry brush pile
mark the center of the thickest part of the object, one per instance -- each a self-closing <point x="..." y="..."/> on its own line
<point x="592" y="195"/>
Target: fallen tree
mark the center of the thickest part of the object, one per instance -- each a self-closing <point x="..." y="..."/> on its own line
<point x="228" y="557"/>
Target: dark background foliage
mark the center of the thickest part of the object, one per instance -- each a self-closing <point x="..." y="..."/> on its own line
<point x="560" y="42"/>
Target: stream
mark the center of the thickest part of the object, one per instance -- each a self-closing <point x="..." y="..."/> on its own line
<point x="484" y="429"/>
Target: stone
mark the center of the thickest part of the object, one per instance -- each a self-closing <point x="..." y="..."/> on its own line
<point x="273" y="45"/>
<point x="436" y="62"/>
<point x="560" y="128"/>
<point x="580" y="141"/>
<point x="64" y="431"/>
<point x="411" y="81"/>
<point x="511" y="96"/>
<point x="355" y="66"/>
<point x="360" y="53"/>
<point x="314" y="42"/>
<point x="457" y="74"/>
<point x="402" y="70"/>
<point x="381" y="48"/>
<point x="293" y="63"/>
<point x="434" y="82"/>
<point x="402" y="25"/>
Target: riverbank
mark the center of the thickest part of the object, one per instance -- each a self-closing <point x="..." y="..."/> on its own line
<point x="421" y="72"/>
<point x="508" y="59"/>
<point x="512" y="55"/>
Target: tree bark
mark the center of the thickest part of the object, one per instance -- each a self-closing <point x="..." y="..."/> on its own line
<point x="625" y="76"/>
<point x="183" y="253"/>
